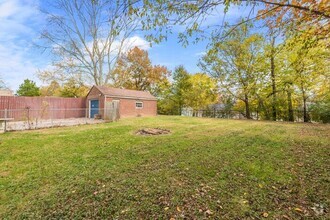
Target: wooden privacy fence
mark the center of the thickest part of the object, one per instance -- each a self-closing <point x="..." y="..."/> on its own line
<point x="24" y="108"/>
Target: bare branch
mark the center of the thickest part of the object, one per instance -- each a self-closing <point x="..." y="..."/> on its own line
<point x="93" y="33"/>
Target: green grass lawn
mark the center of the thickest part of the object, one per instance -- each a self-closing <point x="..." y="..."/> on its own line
<point x="206" y="168"/>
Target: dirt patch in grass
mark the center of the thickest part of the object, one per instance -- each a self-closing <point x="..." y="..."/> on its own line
<point x="153" y="131"/>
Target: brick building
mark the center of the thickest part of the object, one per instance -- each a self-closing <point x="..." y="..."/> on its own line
<point x="102" y="100"/>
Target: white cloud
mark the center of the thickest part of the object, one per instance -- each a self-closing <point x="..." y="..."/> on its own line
<point x="136" y="41"/>
<point x="19" y="22"/>
<point x="129" y="43"/>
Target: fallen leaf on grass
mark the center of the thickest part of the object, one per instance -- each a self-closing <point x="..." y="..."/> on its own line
<point x="265" y="214"/>
<point x="208" y="212"/>
<point x="178" y="209"/>
<point x="245" y="201"/>
<point x="166" y="208"/>
<point x="125" y="210"/>
<point x="298" y="210"/>
<point x="286" y="217"/>
<point x="319" y="209"/>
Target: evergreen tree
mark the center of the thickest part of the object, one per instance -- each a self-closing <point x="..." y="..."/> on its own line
<point x="28" y="88"/>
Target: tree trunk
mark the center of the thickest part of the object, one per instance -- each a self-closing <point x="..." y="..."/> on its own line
<point x="247" y="107"/>
<point x="290" y="108"/>
<point x="180" y="108"/>
<point x="306" y="118"/>
<point x="272" y="72"/>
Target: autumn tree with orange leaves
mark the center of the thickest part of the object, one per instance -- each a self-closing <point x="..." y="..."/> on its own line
<point x="135" y="71"/>
<point x="310" y="17"/>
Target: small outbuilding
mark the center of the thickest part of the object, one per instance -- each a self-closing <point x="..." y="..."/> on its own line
<point x="113" y="103"/>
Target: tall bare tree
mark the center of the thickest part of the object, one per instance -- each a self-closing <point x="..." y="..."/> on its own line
<point x="2" y="84"/>
<point x="87" y="37"/>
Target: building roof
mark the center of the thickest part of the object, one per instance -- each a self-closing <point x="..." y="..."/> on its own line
<point x="6" y="92"/>
<point x="125" y="93"/>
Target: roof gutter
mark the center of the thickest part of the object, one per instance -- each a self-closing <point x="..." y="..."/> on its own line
<point x="130" y="97"/>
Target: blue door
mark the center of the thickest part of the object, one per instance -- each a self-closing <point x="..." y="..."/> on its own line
<point x="94" y="109"/>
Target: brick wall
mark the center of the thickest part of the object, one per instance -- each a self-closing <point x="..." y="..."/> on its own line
<point x="127" y="107"/>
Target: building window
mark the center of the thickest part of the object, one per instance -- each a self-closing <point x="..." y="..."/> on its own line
<point x="138" y="104"/>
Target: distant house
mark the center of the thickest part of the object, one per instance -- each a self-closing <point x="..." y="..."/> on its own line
<point x="6" y="92"/>
<point x="104" y="101"/>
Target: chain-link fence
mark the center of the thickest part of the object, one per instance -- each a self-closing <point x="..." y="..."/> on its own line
<point x="212" y="113"/>
<point x="23" y="119"/>
<point x="298" y="115"/>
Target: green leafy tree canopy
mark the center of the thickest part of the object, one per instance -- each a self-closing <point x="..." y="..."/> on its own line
<point x="28" y="88"/>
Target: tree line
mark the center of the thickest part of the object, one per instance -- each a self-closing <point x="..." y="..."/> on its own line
<point x="253" y="74"/>
<point x="271" y="78"/>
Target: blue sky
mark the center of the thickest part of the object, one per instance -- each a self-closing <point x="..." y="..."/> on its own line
<point x="21" y="23"/>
